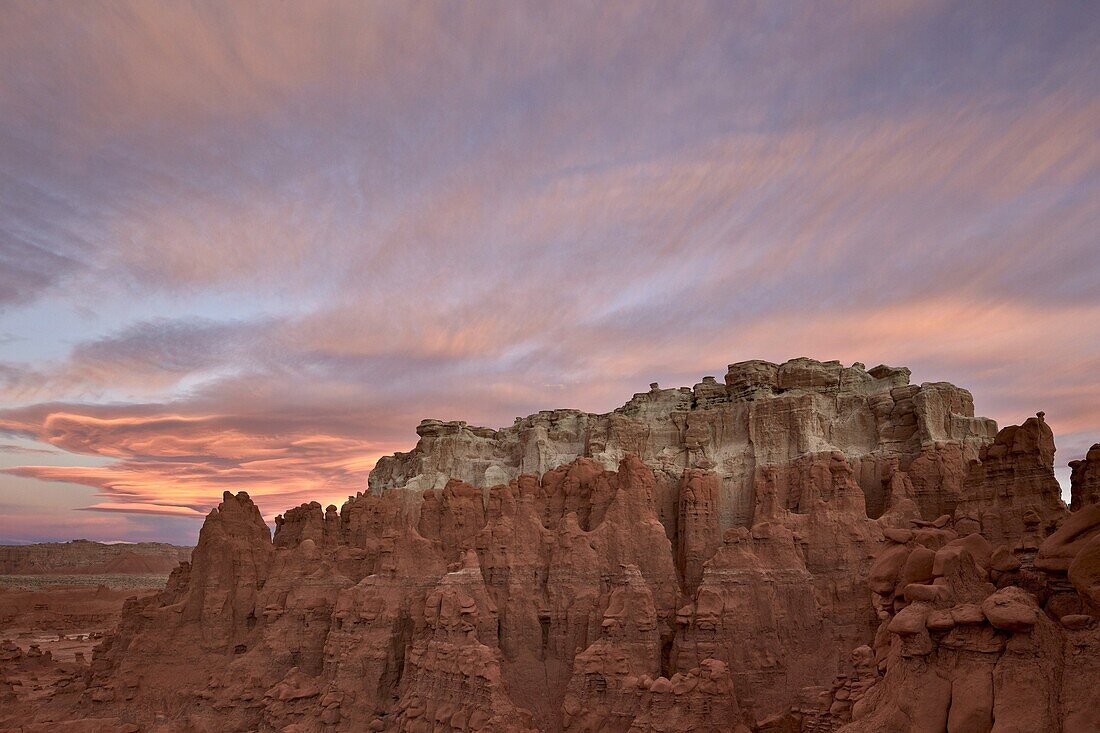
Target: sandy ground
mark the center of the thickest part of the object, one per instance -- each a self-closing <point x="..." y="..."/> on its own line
<point x="49" y="626"/>
<point x="66" y="614"/>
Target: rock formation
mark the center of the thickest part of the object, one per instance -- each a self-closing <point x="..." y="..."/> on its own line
<point x="765" y="416"/>
<point x="977" y="637"/>
<point x="81" y="557"/>
<point x="1010" y="491"/>
<point x="804" y="547"/>
<point x="1085" y="479"/>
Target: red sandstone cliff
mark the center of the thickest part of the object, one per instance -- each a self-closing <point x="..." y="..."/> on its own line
<point x="715" y="577"/>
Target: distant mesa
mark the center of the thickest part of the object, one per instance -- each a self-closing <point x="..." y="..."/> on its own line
<point x="82" y="557"/>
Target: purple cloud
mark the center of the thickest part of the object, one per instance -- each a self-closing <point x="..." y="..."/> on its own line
<point x="250" y="247"/>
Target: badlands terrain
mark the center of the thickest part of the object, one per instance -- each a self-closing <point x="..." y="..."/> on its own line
<point x="58" y="600"/>
<point x="796" y="548"/>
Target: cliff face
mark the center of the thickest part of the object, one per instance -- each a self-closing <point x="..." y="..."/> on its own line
<point x="469" y="611"/>
<point x="1010" y="491"/>
<point x="1085" y="479"/>
<point x="764" y="417"/>
<point x="702" y="559"/>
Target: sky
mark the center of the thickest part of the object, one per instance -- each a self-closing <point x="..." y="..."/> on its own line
<point x="251" y="245"/>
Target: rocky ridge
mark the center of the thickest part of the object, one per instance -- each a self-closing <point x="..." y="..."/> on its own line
<point x="82" y="557"/>
<point x="700" y="559"/>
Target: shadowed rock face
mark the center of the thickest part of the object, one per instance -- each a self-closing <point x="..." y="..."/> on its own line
<point x="1085" y="479"/>
<point x="1011" y="490"/>
<point x="982" y="638"/>
<point x="802" y="548"/>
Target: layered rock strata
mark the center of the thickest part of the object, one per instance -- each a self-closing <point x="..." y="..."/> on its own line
<point x="702" y="559"/>
<point x="763" y="417"/>
<point x="378" y="618"/>
<point x="81" y="557"/>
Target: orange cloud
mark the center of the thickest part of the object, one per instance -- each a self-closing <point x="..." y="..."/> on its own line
<point x="249" y="246"/>
<point x="179" y="465"/>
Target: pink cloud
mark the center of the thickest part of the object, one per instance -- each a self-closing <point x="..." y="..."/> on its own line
<point x="293" y="230"/>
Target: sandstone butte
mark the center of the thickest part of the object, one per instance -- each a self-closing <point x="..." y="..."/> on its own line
<point x="801" y="548"/>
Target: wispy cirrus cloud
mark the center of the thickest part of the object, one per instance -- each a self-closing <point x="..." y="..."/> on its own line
<point x="146" y="357"/>
<point x="21" y="449"/>
<point x="179" y="465"/>
<point x="288" y="442"/>
<point x="250" y="247"/>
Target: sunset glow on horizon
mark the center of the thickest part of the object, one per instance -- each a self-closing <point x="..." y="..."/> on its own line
<point x="249" y="246"/>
